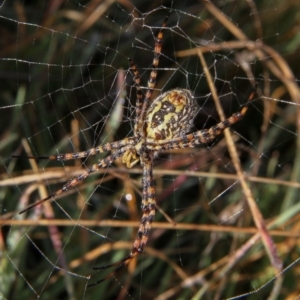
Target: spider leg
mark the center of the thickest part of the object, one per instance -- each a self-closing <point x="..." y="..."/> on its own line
<point x="120" y="264"/>
<point x="139" y="95"/>
<point x="69" y="156"/>
<point x="72" y="182"/>
<point x="199" y="137"/>
<point x="148" y="208"/>
<point x="153" y="75"/>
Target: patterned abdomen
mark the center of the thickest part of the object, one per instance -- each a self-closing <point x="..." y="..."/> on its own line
<point x="170" y="115"/>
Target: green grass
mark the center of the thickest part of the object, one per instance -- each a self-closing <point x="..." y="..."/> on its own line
<point x="59" y="93"/>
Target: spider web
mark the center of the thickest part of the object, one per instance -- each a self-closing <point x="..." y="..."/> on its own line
<point x="66" y="86"/>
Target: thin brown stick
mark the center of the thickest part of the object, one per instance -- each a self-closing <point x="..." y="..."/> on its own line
<point x="257" y="216"/>
<point x="158" y="225"/>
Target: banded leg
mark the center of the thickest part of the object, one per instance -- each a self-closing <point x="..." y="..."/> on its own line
<point x="148" y="208"/>
<point x="76" y="155"/>
<point x="139" y="96"/>
<point x="78" y="179"/>
<point x="153" y="74"/>
<point x="199" y="137"/>
<point x="190" y="140"/>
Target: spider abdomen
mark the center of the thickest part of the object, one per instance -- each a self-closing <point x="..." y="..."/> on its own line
<point x="170" y="115"/>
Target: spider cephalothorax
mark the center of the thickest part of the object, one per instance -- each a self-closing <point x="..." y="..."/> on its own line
<point x="160" y="125"/>
<point x="169" y="116"/>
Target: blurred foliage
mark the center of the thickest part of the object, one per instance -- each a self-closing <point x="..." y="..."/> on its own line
<point x="61" y="67"/>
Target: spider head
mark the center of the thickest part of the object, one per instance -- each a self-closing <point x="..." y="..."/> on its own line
<point x="170" y="115"/>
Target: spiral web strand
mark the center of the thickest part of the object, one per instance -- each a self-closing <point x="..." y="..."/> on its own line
<point x="68" y="85"/>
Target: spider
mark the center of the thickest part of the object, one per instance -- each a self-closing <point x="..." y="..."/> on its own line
<point x="160" y="124"/>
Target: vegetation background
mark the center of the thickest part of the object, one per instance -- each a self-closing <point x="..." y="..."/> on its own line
<point x="66" y="86"/>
